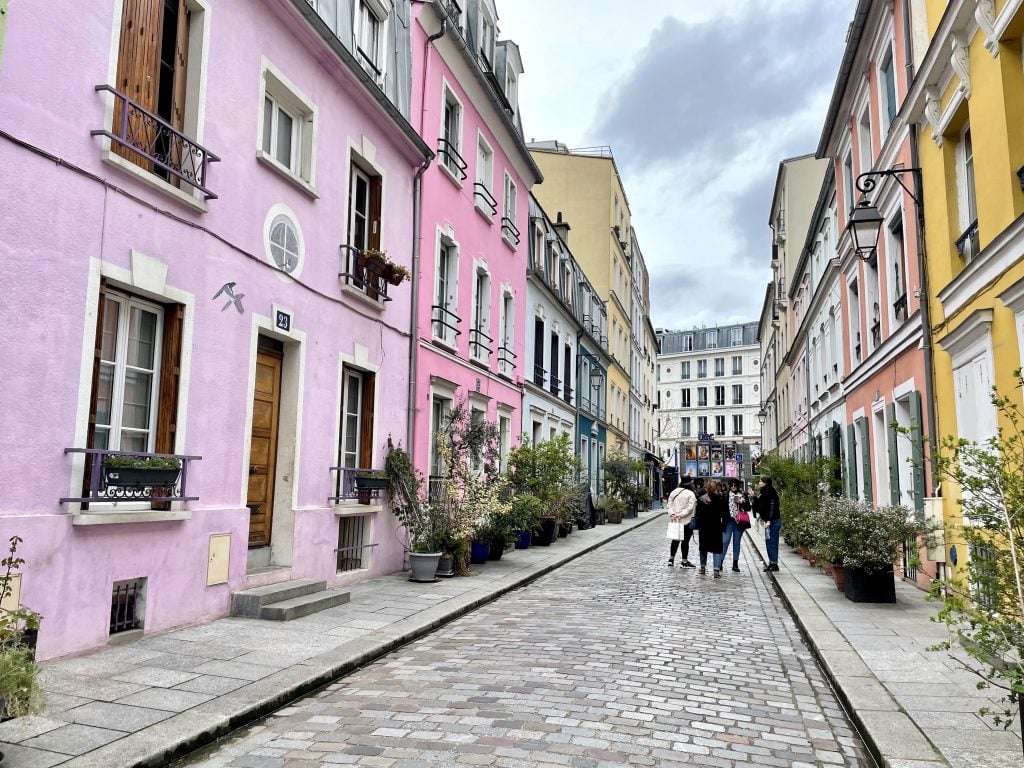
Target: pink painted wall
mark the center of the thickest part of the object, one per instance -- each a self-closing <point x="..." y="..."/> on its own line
<point x="57" y="221"/>
<point x="446" y="203"/>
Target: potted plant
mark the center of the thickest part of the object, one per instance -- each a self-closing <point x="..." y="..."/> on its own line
<point x="414" y="513"/>
<point x="371" y="479"/>
<point x="526" y="512"/>
<point x="123" y="471"/>
<point x="614" y="509"/>
<point x="396" y="273"/>
<point x="20" y="693"/>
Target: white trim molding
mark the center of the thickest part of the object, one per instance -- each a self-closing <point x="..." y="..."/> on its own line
<point x="994" y="260"/>
<point x="967" y="335"/>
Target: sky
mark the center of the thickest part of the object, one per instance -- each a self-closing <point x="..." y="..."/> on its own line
<point x="699" y="100"/>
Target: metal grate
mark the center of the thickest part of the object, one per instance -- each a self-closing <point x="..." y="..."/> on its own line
<point x="351" y="542"/>
<point x="909" y="557"/>
<point x="127" y="606"/>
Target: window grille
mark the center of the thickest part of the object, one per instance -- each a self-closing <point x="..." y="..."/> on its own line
<point x="352" y="545"/>
<point x="127" y="606"/>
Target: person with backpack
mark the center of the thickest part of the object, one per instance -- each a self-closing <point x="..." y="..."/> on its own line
<point x="767" y="508"/>
<point x="739" y="521"/>
<point x="712" y="517"/>
<point x="681" y="505"/>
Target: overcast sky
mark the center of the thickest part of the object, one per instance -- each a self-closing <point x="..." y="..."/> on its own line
<point x="699" y="101"/>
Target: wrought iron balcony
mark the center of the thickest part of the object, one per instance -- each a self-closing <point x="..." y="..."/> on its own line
<point x="506" y="361"/>
<point x="453" y="161"/>
<point x="129" y="484"/>
<point x="567" y="394"/>
<point x="554" y="385"/>
<point x="538" y="375"/>
<point x="445" y="323"/>
<point x="484" y="198"/>
<point x="900" y="307"/>
<point x="346" y="489"/>
<point x="968" y="245"/>
<point x="509" y="230"/>
<point x="480" y="345"/>
<point x="359" y="273"/>
<point x="156" y="145"/>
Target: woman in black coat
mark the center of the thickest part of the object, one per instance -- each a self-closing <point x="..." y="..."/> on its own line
<point x="712" y="518"/>
<point x="767" y="508"/>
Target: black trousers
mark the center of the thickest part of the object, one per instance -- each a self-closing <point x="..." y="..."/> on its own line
<point x="674" y="545"/>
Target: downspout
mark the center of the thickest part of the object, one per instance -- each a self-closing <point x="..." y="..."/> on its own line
<point x="417" y="236"/>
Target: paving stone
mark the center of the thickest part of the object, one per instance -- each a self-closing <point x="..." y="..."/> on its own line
<point x="167" y="700"/>
<point x="22" y="728"/>
<point x="74" y="739"/>
<point x="155" y="676"/>
<point x="120" y="717"/>
<point x="25" y="757"/>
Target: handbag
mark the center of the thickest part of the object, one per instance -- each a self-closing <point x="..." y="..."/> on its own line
<point x="743" y="519"/>
<point x="694" y="526"/>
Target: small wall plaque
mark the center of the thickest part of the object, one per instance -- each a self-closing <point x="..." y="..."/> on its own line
<point x="282" y="321"/>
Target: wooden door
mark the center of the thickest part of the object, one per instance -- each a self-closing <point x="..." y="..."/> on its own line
<point x="263" y="446"/>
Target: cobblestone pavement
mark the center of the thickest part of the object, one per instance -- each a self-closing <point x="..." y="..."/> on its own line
<point x="612" y="660"/>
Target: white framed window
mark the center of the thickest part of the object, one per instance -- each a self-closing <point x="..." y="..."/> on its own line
<point x="351" y="420"/>
<point x="688" y="342"/>
<point x="702" y="425"/>
<point x="719" y="395"/>
<point x="719" y="425"/>
<point x="483" y="193"/>
<point x="702" y="397"/>
<point x="856" y="348"/>
<point x="686" y="426"/>
<point x="970" y="347"/>
<point x="685" y="398"/>
<point x="480" y="344"/>
<point x="370" y="34"/>
<point x="967" y="244"/>
<point x="129" y="374"/>
<point x="445" y="317"/>
<point x="488" y="33"/>
<point x="737" y="424"/>
<point x="737" y="365"/>
<point x="685" y="370"/>
<point x="702" y="369"/>
<point x="864" y="149"/>
<point x="848" y="182"/>
<point x="509" y="231"/>
<point x="283" y="241"/>
<point x="504" y="441"/>
<point x="359" y="214"/>
<point x="450" y="145"/>
<point x="897" y="251"/>
<point x="737" y="394"/>
<point x="287" y="128"/>
<point x="735" y="337"/>
<point x="441" y="405"/>
<point x="712" y="339"/>
<point x="887" y="85"/>
<point x="511" y="88"/>
<point x="719" y="366"/>
<point x="506" y="345"/>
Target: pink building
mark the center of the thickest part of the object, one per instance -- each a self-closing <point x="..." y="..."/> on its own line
<point x="472" y="287"/>
<point x="175" y="193"/>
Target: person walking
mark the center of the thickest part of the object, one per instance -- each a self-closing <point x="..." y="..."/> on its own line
<point x="739" y="521"/>
<point x="766" y="505"/>
<point x="682" y="503"/>
<point x="712" y="517"/>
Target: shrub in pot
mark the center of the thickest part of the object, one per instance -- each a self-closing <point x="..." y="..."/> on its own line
<point x="20" y="693"/>
<point x="526" y="511"/>
<point x="614" y="510"/>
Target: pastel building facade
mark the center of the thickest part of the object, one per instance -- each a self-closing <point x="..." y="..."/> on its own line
<point x="194" y="168"/>
<point x="473" y="225"/>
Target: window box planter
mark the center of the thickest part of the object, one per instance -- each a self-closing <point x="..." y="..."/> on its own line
<point x="140" y="472"/>
<point x="371" y="482"/>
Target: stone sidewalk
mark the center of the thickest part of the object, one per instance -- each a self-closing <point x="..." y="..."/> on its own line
<point x="141" y="704"/>
<point x="914" y="707"/>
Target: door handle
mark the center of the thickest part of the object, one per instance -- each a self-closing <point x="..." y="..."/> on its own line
<point x="253" y="469"/>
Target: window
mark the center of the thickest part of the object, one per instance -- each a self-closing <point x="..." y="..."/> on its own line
<point x="364" y="209"/>
<point x="702" y="369"/>
<point x="538" y="351"/>
<point x="848" y="181"/>
<point x="719" y="425"/>
<point x="855" y="341"/>
<point x="477" y="418"/>
<point x="284" y="245"/>
<point x="506" y="355"/>
<point x="888" y="85"/>
<point x="487" y="35"/>
<point x="702" y="397"/>
<point x="719" y="395"/>
<point x="357" y="411"/>
<point x="737" y="366"/>
<point x="688" y="342"/>
<point x="864" y="141"/>
<point x="353" y="537"/>
<point x="719" y="366"/>
<point x="712" y="339"/>
<point x="685" y="370"/>
<point x="898" y="252"/>
<point x="735" y="337"/>
<point x="737" y="394"/>
<point x="511" y="88"/>
<point x="288" y="119"/>
<point x="702" y="426"/>
<point x="446" y="291"/>
<point x="483" y="194"/>
<point x="737" y="424"/>
<point x="450" y="148"/>
<point x="967" y="244"/>
<point x="480" y="341"/>
<point x="508" y="224"/>
<point x="440" y="407"/>
<point x="686" y="426"/>
<point x="686" y="398"/>
<point x="369" y="36"/>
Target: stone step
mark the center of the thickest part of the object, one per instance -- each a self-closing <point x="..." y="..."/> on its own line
<point x="296" y="607"/>
<point x="249" y="602"/>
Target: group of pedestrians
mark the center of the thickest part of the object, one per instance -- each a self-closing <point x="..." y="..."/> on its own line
<point x="719" y="513"/>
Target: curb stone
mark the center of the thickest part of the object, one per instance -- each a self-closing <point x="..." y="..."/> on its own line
<point x="892" y="737"/>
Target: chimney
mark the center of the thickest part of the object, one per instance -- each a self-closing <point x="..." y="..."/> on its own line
<point x="562" y="228"/>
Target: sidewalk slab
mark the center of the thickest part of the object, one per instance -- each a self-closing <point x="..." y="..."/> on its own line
<point x="143" y="704"/>
<point x="915" y="708"/>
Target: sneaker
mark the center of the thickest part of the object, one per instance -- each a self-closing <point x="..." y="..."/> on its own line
<point x="767" y="568"/>
<point x="773" y="566"/>
<point x="735" y="568"/>
<point x="687" y="564"/>
<point x="671" y="563"/>
<point x="702" y="570"/>
<point x="718" y="574"/>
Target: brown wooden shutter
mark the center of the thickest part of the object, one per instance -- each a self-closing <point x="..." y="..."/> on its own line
<point x="366" y="422"/>
<point x="138" y="62"/>
<point x="375" y="208"/>
<point x="170" y="375"/>
<point x="180" y="66"/>
<point x="97" y="356"/>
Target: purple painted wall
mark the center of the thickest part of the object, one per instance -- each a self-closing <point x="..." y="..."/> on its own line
<point x="62" y="227"/>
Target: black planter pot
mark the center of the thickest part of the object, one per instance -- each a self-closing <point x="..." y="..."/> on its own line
<point x="497" y="550"/>
<point x="545" y="533"/>
<point x="863" y="587"/>
<point x="524" y="539"/>
<point x="140" y="477"/>
<point x="371" y="483"/>
<point x="564" y="529"/>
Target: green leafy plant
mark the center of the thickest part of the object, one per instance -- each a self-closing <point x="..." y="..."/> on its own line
<point x="407" y="502"/>
<point x="119" y="461"/>
<point x="526" y="510"/>
<point x="550" y="472"/>
<point x="861" y="535"/>
<point x="19" y="673"/>
<point x="375" y="474"/>
<point x="801" y="486"/>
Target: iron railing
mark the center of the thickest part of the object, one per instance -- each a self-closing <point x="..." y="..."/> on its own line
<point x="968" y="245"/>
<point x="876" y="334"/>
<point x="157" y="142"/>
<point x="124" y="606"/>
<point x="567" y="394"/>
<point x="345" y="485"/>
<point x="480" y="344"/>
<point x="356" y="272"/>
<point x="445" y="323"/>
<point x="351" y="533"/>
<point x="538" y="375"/>
<point x="436" y="492"/>
<point x="909" y="558"/>
<point x="510" y="230"/>
<point x="554" y="385"/>
<point x="481" y="192"/>
<point x="370" y="66"/>
<point x="900" y="307"/>
<point x="453" y="161"/>
<point x="506" y="361"/>
<point x="106" y="484"/>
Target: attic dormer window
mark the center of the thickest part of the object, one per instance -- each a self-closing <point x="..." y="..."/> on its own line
<point x="488" y="32"/>
<point x="511" y="88"/>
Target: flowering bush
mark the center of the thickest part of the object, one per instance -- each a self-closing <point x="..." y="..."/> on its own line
<point x="861" y="535"/>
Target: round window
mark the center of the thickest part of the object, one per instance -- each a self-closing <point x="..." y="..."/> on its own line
<point x="284" y="243"/>
<point x="755" y="387"/>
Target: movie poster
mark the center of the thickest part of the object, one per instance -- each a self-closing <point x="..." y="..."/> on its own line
<point x="703" y="468"/>
<point x="730" y="451"/>
<point x="716" y="468"/>
<point x="716" y="453"/>
<point x="702" y="451"/>
<point x="691" y="468"/>
<point x="731" y="469"/>
<point x="691" y="452"/>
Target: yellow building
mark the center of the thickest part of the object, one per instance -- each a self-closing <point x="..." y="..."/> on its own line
<point x="968" y="99"/>
<point x="584" y="187"/>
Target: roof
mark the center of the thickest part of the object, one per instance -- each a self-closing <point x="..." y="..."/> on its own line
<point x="672" y="341"/>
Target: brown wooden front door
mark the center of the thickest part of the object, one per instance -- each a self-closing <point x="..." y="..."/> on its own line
<point x="263" y="445"/>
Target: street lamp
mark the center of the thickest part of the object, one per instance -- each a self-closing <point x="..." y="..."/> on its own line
<point x="865" y="223"/>
<point x="596" y="380"/>
<point x="762" y="416"/>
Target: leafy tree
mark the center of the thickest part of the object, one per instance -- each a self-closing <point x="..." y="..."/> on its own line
<point x="550" y="471"/>
<point x="801" y="485"/>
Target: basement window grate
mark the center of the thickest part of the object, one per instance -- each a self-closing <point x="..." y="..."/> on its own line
<point x="127" y="605"/>
<point x="353" y="531"/>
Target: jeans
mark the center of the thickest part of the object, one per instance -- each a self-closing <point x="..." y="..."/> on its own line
<point x="704" y="558"/>
<point x="771" y="540"/>
<point x="734" y="534"/>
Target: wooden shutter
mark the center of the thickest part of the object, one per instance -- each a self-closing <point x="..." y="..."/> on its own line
<point x="866" y="457"/>
<point x="851" y="461"/>
<point x="375" y="212"/>
<point x="180" y="66"/>
<point x="138" y="63"/>
<point x="894" y="454"/>
<point x="170" y="374"/>
<point x="917" y="441"/>
<point x="97" y="356"/>
<point x="366" y="421"/>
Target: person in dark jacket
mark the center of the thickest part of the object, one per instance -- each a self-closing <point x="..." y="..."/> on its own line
<point x="712" y="519"/>
<point x="767" y="508"/>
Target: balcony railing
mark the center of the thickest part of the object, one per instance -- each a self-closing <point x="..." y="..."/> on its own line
<point x="454" y="11"/>
<point x="876" y="334"/>
<point x="369" y="66"/>
<point x="506" y="361"/>
<point x="345" y="486"/>
<point x="356" y="273"/>
<point x="510" y="230"/>
<point x="483" y="194"/>
<point x="445" y="323"/>
<point x="436" y="489"/>
<point x="567" y="394"/>
<point x="453" y="161"/>
<point x="480" y="344"/>
<point x="900" y="307"/>
<point x="538" y="375"/>
<point x="554" y="385"/>
<point x="109" y="484"/>
<point x="968" y="245"/>
<point x="161" y="147"/>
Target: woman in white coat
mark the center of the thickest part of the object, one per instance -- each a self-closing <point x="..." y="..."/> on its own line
<point x="681" y="505"/>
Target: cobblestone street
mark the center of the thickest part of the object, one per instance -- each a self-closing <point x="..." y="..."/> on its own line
<point x="614" y="659"/>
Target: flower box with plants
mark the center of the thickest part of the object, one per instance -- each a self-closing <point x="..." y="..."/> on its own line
<point x="378" y="263"/>
<point x="124" y="471"/>
<point x="20" y="693"/>
<point x="371" y="480"/>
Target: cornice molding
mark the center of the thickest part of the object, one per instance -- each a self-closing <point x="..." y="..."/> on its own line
<point x="993" y="261"/>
